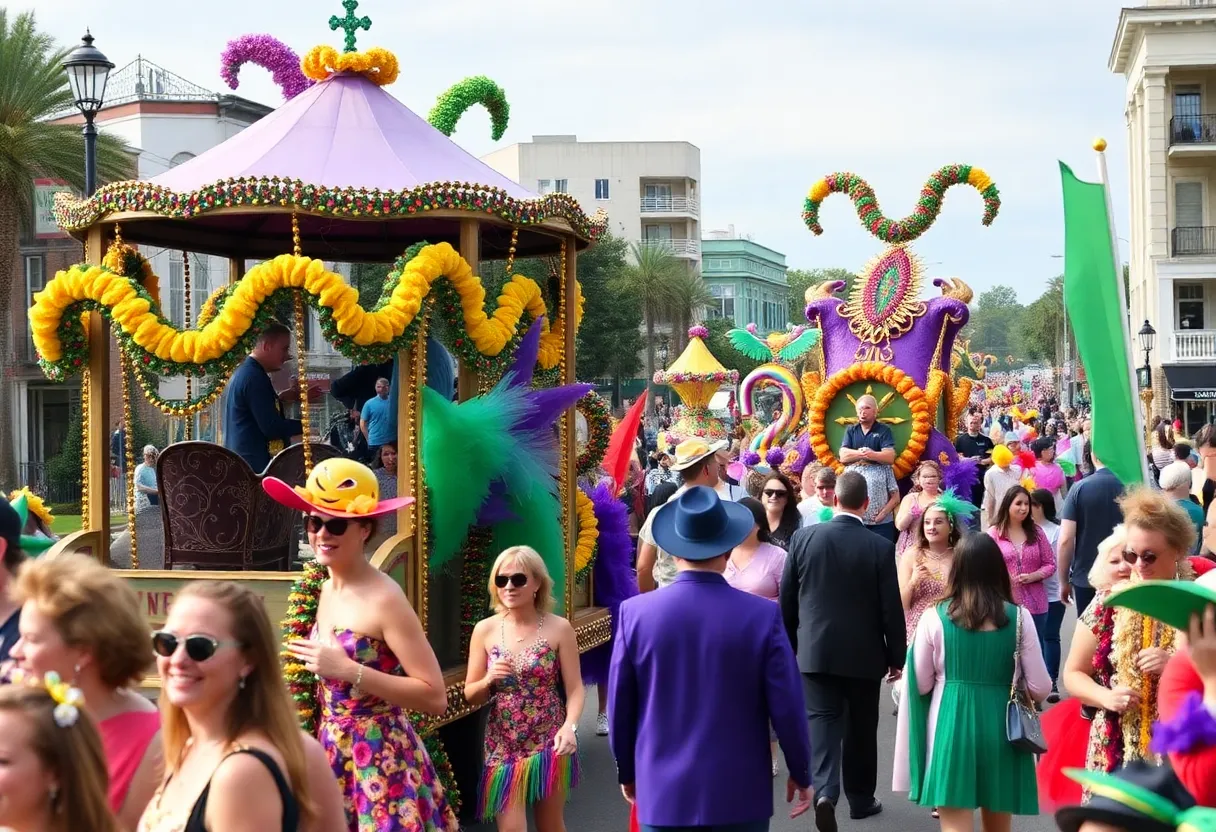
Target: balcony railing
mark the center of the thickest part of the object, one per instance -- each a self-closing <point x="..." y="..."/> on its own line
<point x="669" y="205"/>
<point x="1200" y="239"/>
<point x="1194" y="345"/>
<point x="680" y="248"/>
<point x="1193" y="129"/>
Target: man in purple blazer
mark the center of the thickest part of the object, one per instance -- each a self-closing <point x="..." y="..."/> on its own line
<point x="699" y="672"/>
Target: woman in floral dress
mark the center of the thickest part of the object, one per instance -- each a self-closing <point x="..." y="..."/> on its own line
<point x="371" y="659"/>
<point x="525" y="661"/>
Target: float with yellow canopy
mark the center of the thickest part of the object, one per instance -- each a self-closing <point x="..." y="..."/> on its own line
<point x="695" y="376"/>
<point x="342" y="172"/>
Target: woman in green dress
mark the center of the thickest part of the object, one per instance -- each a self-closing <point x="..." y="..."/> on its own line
<point x="951" y="751"/>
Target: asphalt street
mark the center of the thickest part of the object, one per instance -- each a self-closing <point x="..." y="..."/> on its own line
<point x="597" y="805"/>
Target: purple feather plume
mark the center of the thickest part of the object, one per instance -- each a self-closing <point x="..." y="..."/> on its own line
<point x="271" y="54"/>
<point x="550" y="403"/>
<point x="775" y="457"/>
<point x="962" y="475"/>
<point x="526" y="354"/>
<point x="805" y="455"/>
<point x="750" y="458"/>
<point x="613" y="577"/>
<point x="496" y="509"/>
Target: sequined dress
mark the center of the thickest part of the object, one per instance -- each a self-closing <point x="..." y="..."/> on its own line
<point x="387" y="779"/>
<point x="526" y="713"/>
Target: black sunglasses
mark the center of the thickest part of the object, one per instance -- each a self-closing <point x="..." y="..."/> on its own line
<point x="517" y="580"/>
<point x="336" y="526"/>
<point x="775" y="492"/>
<point x="1148" y="558"/>
<point x="198" y="647"/>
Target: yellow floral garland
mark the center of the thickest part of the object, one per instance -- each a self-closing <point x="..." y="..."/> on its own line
<point x="489" y="334"/>
<point x="922" y="420"/>
<point x="376" y="64"/>
<point x="588" y="531"/>
<point x="34" y="504"/>
<point x="116" y="258"/>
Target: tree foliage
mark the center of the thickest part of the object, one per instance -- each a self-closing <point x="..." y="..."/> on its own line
<point x="996" y="324"/>
<point x="610" y="338"/>
<point x="721" y="349"/>
<point x="1042" y="325"/>
<point x="799" y="280"/>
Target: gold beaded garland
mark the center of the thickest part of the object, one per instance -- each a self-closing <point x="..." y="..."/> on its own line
<point x="302" y="380"/>
<point x="188" y="427"/>
<point x="564" y="425"/>
<point x="85" y="380"/>
<point x="416" y="380"/>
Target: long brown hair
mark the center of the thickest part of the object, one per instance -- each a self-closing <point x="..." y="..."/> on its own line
<point x="264" y="705"/>
<point x="1002" y="515"/>
<point x="921" y="542"/>
<point x="73" y="754"/>
<point x="979" y="584"/>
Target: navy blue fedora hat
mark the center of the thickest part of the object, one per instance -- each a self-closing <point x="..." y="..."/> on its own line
<point x="698" y="525"/>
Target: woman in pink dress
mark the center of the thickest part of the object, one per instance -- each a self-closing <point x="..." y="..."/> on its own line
<point x="755" y="565"/>
<point x="1028" y="555"/>
<point x="926" y="488"/>
<point x="81" y="621"/>
<point x="925" y="570"/>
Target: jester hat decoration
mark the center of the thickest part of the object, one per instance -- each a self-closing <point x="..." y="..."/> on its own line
<point x="1138" y="798"/>
<point x="339" y="488"/>
<point x="954" y="506"/>
<point x="24" y="502"/>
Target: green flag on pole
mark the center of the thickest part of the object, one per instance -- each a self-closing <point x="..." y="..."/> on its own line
<point x="1098" y="313"/>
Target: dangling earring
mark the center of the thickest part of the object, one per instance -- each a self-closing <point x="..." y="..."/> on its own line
<point x="241" y="684"/>
<point x="53" y="794"/>
<point x="76" y="673"/>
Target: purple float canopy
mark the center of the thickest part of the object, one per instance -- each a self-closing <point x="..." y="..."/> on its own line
<point x="344" y="132"/>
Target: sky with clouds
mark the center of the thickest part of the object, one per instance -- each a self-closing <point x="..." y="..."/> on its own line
<point x="775" y="93"/>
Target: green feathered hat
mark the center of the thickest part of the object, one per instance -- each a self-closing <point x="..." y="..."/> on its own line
<point x="31" y="544"/>
<point x="956" y="507"/>
<point x="1170" y="602"/>
<point x="1138" y="798"/>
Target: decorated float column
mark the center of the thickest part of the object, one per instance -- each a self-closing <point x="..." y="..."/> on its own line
<point x="695" y="376"/>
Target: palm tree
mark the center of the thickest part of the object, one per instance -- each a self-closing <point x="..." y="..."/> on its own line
<point x="649" y="278"/>
<point x="33" y="87"/>
<point x="689" y="295"/>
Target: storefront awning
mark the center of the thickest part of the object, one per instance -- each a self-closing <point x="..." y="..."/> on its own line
<point x="1191" y="383"/>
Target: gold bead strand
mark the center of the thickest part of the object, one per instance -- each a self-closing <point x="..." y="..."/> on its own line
<point x="302" y="378"/>
<point x="563" y="427"/>
<point x="188" y="424"/>
<point x="124" y="367"/>
<point x="84" y="446"/>
<point x="511" y="251"/>
<point x="295" y="235"/>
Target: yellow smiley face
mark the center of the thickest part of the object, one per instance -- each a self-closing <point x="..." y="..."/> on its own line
<point x="336" y="483"/>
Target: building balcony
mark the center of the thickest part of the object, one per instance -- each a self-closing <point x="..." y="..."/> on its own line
<point x="680" y="248"/>
<point x="670" y="205"/>
<point x="1193" y="135"/>
<point x="1194" y="240"/>
<point x="1193" y="345"/>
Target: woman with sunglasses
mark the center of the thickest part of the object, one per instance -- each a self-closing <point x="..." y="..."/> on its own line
<point x="1117" y="655"/>
<point x="780" y="508"/>
<point x="371" y="657"/>
<point x="81" y="621"/>
<point x="526" y="662"/>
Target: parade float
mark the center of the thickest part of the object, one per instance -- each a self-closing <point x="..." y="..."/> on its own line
<point x="882" y="339"/>
<point x="695" y="376"/>
<point x="344" y="172"/>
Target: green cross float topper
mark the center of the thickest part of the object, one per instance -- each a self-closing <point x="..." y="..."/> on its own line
<point x="350" y="23"/>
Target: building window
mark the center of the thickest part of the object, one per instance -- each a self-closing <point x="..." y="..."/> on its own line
<point x="1190" y="305"/>
<point x="601" y="189"/>
<point x="544" y="186"/>
<point x="184" y="156"/>
<point x="35" y="281"/>
<point x="561" y="186"/>
<point x="1188" y="204"/>
<point x="1188" y="107"/>
<point x="200" y="286"/>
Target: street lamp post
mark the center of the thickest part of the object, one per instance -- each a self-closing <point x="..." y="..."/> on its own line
<point x="88" y="71"/>
<point x="1144" y="376"/>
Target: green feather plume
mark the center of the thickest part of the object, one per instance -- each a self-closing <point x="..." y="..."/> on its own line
<point x="750" y="345"/>
<point x="539" y="525"/>
<point x="825" y="514"/>
<point x="1068" y="467"/>
<point x="465" y="447"/>
<point x="954" y="506"/>
<point x="796" y="348"/>
<point x="463" y="95"/>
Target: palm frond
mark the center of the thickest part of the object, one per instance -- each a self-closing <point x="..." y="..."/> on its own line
<point x="798" y="347"/>
<point x="748" y="344"/>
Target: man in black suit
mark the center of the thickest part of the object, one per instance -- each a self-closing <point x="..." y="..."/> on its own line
<point x="840" y="602"/>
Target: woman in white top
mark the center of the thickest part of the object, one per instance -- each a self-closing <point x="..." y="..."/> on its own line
<point x="1163" y="445"/>
<point x="145" y="479"/>
<point x="1043" y="510"/>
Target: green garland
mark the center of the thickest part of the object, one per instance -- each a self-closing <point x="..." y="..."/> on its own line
<point x="429" y="734"/>
<point x="301" y="617"/>
<point x="599" y="432"/>
<point x="461" y="96"/>
<point x="928" y="206"/>
<point x="293" y="194"/>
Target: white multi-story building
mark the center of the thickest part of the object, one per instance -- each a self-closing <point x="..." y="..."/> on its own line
<point x="1166" y="50"/>
<point x="650" y="190"/>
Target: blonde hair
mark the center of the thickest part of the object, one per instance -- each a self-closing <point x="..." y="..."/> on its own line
<point x="1146" y="508"/>
<point x="263" y="704"/>
<point x="73" y="754"/>
<point x="92" y="609"/>
<point x="529" y="560"/>
<point x="1100" y="573"/>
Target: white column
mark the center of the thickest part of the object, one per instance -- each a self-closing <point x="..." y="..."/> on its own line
<point x="1156" y="155"/>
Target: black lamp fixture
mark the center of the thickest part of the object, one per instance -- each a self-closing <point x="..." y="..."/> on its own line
<point x="1148" y="337"/>
<point x="88" y="71"/>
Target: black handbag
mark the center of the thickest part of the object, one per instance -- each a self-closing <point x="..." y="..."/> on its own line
<point x="1022" y="727"/>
